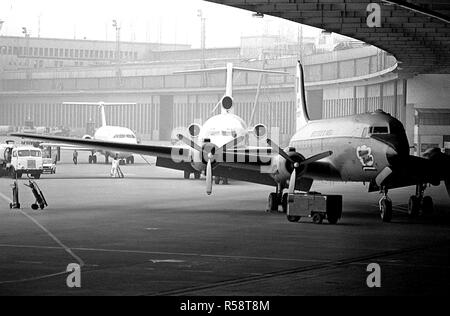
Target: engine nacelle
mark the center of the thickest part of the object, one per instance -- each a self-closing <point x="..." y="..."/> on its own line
<point x="260" y="131"/>
<point x="194" y="130"/>
<point x="88" y="137"/>
<point x="282" y="169"/>
<point x="441" y="164"/>
<point x="227" y="103"/>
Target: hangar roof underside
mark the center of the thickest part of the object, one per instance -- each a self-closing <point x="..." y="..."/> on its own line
<point x="416" y="32"/>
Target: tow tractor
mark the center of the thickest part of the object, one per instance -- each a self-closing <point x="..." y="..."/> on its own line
<point x="316" y="206"/>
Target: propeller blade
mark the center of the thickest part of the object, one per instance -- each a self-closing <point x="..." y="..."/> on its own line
<point x="209" y="177"/>
<point x="293" y="181"/>
<point x="317" y="157"/>
<point x="189" y="142"/>
<point x="280" y="151"/>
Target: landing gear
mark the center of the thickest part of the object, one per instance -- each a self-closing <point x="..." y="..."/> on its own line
<point x="92" y="159"/>
<point x="187" y="175"/>
<point x="276" y="199"/>
<point x="273" y="202"/>
<point x="130" y="160"/>
<point x="197" y="175"/>
<point x="386" y="207"/>
<point x="285" y="203"/>
<point x="419" y="203"/>
<point x="218" y="179"/>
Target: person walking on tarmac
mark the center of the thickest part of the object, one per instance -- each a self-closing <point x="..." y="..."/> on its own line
<point x="75" y="157"/>
<point x="116" y="172"/>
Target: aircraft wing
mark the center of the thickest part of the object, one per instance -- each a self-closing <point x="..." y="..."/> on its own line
<point x="66" y="146"/>
<point x="159" y="151"/>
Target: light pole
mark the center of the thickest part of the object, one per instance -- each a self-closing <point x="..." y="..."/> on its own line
<point x="117" y="27"/>
<point x="27" y="53"/>
<point x="118" y="71"/>
<point x="203" y="44"/>
<point x="203" y="36"/>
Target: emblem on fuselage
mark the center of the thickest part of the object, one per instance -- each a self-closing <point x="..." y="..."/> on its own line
<point x="366" y="158"/>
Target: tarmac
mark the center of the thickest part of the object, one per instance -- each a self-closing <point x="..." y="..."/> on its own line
<point x="154" y="233"/>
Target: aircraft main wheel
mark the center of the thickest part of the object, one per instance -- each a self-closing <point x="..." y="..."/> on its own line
<point x="413" y="206"/>
<point x="285" y="202"/>
<point x="91" y="159"/>
<point x="427" y="205"/>
<point x="386" y="210"/>
<point x="197" y="175"/>
<point x="37" y="176"/>
<point x="225" y="181"/>
<point x="187" y="175"/>
<point x="294" y="219"/>
<point x="34" y="207"/>
<point x="132" y="160"/>
<point x="317" y="219"/>
<point x="94" y="159"/>
<point x="217" y="180"/>
<point x="273" y="202"/>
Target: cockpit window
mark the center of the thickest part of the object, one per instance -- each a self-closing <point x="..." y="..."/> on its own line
<point x="379" y="130"/>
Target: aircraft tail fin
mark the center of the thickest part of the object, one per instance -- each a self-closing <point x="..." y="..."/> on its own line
<point x="302" y="108"/>
<point x="230" y="69"/>
<point x="101" y="106"/>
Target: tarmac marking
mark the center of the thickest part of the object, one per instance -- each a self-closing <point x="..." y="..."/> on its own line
<point x="166" y="261"/>
<point x="182" y="254"/>
<point x="55" y="239"/>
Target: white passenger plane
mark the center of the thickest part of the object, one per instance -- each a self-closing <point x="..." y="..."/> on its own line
<point x="115" y="134"/>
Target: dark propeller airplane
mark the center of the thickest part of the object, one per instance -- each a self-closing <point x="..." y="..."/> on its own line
<point x="369" y="148"/>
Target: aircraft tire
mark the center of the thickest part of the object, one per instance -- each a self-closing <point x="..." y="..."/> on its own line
<point x="217" y="180"/>
<point x="427" y="205"/>
<point x="273" y="202"/>
<point x="285" y="202"/>
<point x="386" y="210"/>
<point x="197" y="175"/>
<point x="187" y="175"/>
<point x="413" y="206"/>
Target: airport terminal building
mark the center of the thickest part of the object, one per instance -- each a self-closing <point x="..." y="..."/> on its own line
<point x="340" y="82"/>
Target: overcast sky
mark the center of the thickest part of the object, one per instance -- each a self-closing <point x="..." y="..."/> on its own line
<point x="172" y="21"/>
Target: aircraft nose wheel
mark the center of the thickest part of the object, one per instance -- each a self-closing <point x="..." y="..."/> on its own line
<point x="413" y="206"/>
<point x="272" y="205"/>
<point x="386" y="209"/>
<point x="427" y="205"/>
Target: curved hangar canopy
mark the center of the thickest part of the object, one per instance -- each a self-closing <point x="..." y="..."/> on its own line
<point x="416" y="32"/>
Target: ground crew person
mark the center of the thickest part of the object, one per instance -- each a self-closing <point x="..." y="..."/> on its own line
<point x="116" y="172"/>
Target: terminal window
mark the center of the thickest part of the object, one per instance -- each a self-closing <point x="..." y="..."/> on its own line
<point x="439" y="119"/>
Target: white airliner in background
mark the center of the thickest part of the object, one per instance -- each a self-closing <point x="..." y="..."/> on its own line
<point x="115" y="134"/>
